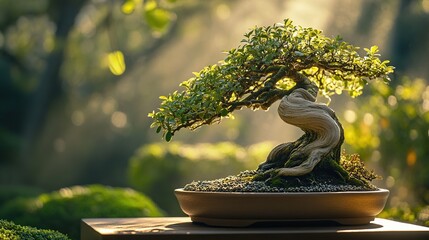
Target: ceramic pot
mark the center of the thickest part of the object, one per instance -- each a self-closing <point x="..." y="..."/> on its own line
<point x="238" y="209"/>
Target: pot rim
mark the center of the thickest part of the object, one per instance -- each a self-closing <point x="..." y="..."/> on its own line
<point x="377" y="191"/>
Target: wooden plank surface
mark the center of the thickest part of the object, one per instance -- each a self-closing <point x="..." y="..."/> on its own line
<point x="182" y="228"/>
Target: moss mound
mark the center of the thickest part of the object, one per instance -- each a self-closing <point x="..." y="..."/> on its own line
<point x="63" y="210"/>
<point x="12" y="231"/>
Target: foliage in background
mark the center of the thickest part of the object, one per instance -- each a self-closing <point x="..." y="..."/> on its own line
<point x="63" y="210"/>
<point x="10" y="192"/>
<point x="59" y="55"/>
<point x="157" y="169"/>
<point x="391" y="127"/>
<point x="405" y="213"/>
<point x="158" y="18"/>
<point x="12" y="231"/>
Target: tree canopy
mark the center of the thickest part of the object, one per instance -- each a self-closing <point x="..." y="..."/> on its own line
<point x="271" y="62"/>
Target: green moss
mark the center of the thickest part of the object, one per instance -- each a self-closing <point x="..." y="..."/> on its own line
<point x="12" y="231"/>
<point x="63" y="210"/>
<point x="277" y="182"/>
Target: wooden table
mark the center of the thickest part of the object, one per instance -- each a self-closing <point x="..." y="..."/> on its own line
<point x="177" y="228"/>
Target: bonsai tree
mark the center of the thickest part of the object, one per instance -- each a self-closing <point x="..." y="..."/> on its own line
<point x="287" y="63"/>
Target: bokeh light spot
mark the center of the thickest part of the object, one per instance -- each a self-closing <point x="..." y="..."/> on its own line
<point x="425" y="105"/>
<point x="77" y="118"/>
<point x="222" y="11"/>
<point x="350" y="116"/>
<point x="425" y="6"/>
<point x="368" y="119"/>
<point x="109" y="105"/>
<point x="119" y="119"/>
<point x="411" y="157"/>
<point x="390" y="182"/>
<point x="414" y="134"/>
<point x="392" y="101"/>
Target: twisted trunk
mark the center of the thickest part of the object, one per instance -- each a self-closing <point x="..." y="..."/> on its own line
<point x="322" y="139"/>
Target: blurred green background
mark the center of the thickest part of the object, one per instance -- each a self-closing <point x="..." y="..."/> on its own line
<point x="78" y="78"/>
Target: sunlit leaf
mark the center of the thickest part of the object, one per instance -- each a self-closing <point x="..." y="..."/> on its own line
<point x="116" y="62"/>
<point x="157" y="18"/>
<point x="128" y="6"/>
<point x="374" y="49"/>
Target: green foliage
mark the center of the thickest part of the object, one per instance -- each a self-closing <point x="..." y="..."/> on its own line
<point x="157" y="169"/>
<point x="63" y="210"/>
<point x="391" y="127"/>
<point x="417" y="215"/>
<point x="268" y="64"/>
<point x="11" y="231"/>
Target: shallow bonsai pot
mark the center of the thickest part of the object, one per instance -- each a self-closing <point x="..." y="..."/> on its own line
<point x="239" y="209"/>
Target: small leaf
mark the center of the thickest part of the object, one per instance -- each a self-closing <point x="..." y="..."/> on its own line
<point x="374" y="49"/>
<point x="116" y="62"/>
<point x="224" y="112"/>
<point x="158" y="129"/>
<point x="168" y="136"/>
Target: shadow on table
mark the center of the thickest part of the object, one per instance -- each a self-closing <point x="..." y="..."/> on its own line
<point x="279" y="225"/>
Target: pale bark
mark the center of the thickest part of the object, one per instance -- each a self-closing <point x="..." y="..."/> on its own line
<point x="323" y="134"/>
